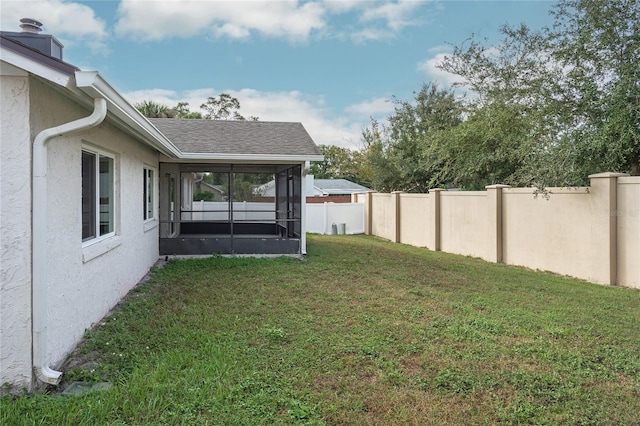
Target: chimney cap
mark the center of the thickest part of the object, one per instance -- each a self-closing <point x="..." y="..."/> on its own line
<point x="30" y="25"/>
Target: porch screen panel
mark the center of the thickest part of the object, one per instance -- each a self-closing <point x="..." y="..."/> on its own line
<point x="281" y="199"/>
<point x="295" y="200"/>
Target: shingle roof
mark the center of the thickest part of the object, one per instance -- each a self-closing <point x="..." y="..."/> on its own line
<point x="338" y="186"/>
<point x="29" y="52"/>
<point x="237" y="137"/>
<point x="321" y="187"/>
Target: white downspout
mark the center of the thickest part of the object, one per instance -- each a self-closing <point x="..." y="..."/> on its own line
<point x="39" y="237"/>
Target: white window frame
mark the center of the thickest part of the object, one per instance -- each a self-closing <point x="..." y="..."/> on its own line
<point x="149" y="185"/>
<point x="98" y="153"/>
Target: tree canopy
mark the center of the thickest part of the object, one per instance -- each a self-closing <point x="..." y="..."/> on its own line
<point x="221" y="107"/>
<point x="544" y="108"/>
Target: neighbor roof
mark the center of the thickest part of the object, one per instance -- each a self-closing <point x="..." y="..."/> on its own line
<point x="338" y="186"/>
<point x="321" y="187"/>
<point x="237" y="137"/>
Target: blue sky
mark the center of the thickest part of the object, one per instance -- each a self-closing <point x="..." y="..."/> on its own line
<point x="328" y="64"/>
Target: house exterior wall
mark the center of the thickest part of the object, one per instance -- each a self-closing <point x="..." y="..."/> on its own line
<point x="328" y="199"/>
<point x="84" y="281"/>
<point x="15" y="230"/>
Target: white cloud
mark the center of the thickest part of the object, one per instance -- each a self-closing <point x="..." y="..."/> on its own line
<point x="378" y="20"/>
<point x="272" y="106"/>
<point x="443" y="78"/>
<point x="371" y="34"/>
<point x="342" y="6"/>
<point x="376" y="108"/>
<point x="298" y="107"/>
<point x="165" y="97"/>
<point x="294" y="20"/>
<point x="72" y="23"/>
<point x="162" y="19"/>
<point x="396" y="15"/>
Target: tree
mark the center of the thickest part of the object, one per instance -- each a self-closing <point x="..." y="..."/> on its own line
<point x="377" y="171"/>
<point x="397" y="157"/>
<point x="413" y="129"/>
<point x="598" y="43"/>
<point x="183" y="111"/>
<point x="223" y="107"/>
<point x="572" y="91"/>
<point x="339" y="163"/>
<point x="152" y="109"/>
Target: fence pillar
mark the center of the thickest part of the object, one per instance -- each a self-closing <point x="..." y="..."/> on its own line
<point x="396" y="215"/>
<point x="434" y="244"/>
<point x="604" y="189"/>
<point x="494" y="194"/>
<point x="368" y="219"/>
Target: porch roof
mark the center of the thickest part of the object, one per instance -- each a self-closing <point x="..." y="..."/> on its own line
<point x="229" y="138"/>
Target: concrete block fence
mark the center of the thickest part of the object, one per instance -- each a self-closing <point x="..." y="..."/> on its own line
<point x="590" y="232"/>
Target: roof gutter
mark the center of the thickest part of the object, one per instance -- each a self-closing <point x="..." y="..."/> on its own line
<point x="92" y="83"/>
<point x="39" y="296"/>
<point x="264" y="158"/>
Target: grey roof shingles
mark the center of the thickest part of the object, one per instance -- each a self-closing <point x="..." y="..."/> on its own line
<point x="237" y="137"/>
<point x="339" y="186"/>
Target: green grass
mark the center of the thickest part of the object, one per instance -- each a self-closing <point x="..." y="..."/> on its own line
<point x="362" y="332"/>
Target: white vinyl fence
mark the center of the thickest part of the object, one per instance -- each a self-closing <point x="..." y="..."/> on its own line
<point x="320" y="217"/>
<point x="242" y="210"/>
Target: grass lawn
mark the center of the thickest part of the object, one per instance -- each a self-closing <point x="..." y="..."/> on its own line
<point x="361" y="332"/>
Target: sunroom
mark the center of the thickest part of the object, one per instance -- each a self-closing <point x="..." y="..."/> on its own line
<point x="212" y="198"/>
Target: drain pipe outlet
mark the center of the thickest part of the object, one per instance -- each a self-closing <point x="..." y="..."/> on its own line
<point x="39" y="292"/>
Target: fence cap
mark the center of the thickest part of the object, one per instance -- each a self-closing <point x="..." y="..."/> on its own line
<point x="608" y="175"/>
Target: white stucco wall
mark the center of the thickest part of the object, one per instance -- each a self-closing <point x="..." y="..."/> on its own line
<point x="15" y="229"/>
<point x="84" y="282"/>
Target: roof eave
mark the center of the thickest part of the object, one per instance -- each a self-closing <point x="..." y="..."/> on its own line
<point x="262" y="158"/>
<point x="35" y="67"/>
<point x="92" y="83"/>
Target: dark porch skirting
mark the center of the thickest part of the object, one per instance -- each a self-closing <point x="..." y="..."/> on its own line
<point x="203" y="238"/>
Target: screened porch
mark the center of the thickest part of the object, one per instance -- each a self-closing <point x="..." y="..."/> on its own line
<point x="230" y="209"/>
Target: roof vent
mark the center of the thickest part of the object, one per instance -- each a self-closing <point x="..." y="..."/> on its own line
<point x="31" y="37"/>
<point x="30" y="25"/>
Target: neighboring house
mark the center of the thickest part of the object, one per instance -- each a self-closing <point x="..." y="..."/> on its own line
<point x="321" y="190"/>
<point x="92" y="193"/>
<point x="334" y="191"/>
<point x="216" y="191"/>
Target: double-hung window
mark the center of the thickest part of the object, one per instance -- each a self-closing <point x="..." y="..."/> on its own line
<point x="148" y="194"/>
<point x="98" y="195"/>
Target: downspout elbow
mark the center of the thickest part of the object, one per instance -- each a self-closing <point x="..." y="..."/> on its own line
<point x="43" y="372"/>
